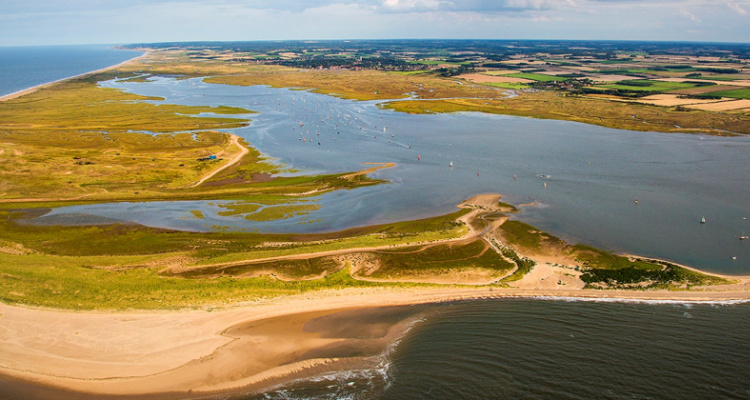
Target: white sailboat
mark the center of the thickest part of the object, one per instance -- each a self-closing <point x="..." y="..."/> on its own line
<point x="703" y="220"/>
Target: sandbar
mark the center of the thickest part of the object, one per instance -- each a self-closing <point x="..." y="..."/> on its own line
<point x="246" y="348"/>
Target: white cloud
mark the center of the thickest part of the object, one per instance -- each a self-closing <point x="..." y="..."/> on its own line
<point x="687" y="14"/>
<point x="108" y="21"/>
<point x="736" y="8"/>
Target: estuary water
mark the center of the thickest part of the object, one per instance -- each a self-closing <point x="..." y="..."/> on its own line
<point x="513" y="348"/>
<point x="25" y="67"/>
<point x="582" y="179"/>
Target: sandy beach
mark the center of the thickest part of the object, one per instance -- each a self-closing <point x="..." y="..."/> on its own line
<point x="249" y="347"/>
<point x="37" y="87"/>
<point x="246" y="348"/>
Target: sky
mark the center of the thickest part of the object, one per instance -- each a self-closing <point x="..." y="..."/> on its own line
<point x="57" y="22"/>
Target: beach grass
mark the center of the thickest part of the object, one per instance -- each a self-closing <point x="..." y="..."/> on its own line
<point x="72" y="283"/>
<point x="305" y="269"/>
<point x="441" y="260"/>
<point x="131" y="266"/>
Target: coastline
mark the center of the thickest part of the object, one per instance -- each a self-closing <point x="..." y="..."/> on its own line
<point x="247" y="348"/>
<point x="33" y="89"/>
<point x="48" y="343"/>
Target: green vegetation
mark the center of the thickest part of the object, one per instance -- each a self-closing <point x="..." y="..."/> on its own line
<point x="441" y="260"/>
<point x="360" y="85"/>
<point x="508" y="85"/>
<point x="78" y="143"/>
<point x="736" y="93"/>
<point x="537" y="77"/>
<point x="285" y="269"/>
<point x="71" y="284"/>
<point x="525" y="236"/>
<point x="606" y="270"/>
<point x="620" y="115"/>
<point x="647" y="86"/>
<point x="669" y="276"/>
<point x="131" y="266"/>
<point x="438" y="62"/>
<point x="524" y="265"/>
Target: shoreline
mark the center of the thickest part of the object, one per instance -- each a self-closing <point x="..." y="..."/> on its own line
<point x="247" y="347"/>
<point x="33" y="89"/>
<point x="132" y="353"/>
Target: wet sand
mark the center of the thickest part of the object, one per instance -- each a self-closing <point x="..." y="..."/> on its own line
<point x="183" y="354"/>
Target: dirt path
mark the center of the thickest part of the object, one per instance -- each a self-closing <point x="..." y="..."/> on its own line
<point x="235" y="140"/>
<point x="480" y="205"/>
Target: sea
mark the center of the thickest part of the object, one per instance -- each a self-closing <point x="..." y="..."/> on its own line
<point x="25" y="67"/>
<point x="582" y="181"/>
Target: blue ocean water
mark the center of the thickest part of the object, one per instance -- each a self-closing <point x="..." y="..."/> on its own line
<point x="25" y="67"/>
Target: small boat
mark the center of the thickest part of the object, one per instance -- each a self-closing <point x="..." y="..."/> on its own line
<point x="743" y="236"/>
<point x="451" y="164"/>
<point x="703" y="220"/>
<point x="635" y="201"/>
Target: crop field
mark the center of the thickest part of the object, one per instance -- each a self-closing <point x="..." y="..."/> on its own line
<point x="637" y="85"/>
<point x="736" y="93"/>
<point x="508" y="85"/>
<point x="537" y="77"/>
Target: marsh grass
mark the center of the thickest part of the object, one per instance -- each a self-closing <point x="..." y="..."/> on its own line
<point x="613" y="114"/>
<point x="361" y="85"/>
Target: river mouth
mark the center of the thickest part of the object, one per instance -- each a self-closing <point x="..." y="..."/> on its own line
<point x="581" y="179"/>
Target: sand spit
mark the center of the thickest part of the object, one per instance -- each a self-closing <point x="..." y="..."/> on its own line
<point x="177" y="354"/>
<point x="253" y="346"/>
<point x="33" y="89"/>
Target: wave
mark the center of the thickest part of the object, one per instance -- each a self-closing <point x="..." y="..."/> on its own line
<point x="374" y="376"/>
<point x="573" y="299"/>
